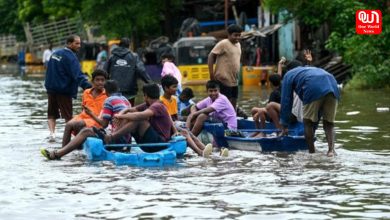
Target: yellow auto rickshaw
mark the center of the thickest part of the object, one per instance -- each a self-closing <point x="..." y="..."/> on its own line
<point x="191" y="58"/>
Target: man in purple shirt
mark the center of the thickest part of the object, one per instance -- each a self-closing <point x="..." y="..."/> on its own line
<point x="216" y="106"/>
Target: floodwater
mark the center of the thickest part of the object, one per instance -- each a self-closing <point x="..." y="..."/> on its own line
<point x="247" y="185"/>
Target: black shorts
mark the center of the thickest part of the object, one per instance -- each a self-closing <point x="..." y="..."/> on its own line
<point x="150" y="136"/>
<point x="229" y="91"/>
<point x="59" y="104"/>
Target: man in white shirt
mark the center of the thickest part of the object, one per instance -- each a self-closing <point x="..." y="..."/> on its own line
<point x="46" y="55"/>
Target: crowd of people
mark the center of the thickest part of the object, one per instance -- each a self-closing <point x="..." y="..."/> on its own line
<point x="300" y="93"/>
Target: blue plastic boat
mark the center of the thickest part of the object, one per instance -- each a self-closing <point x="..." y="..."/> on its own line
<point x="293" y="142"/>
<point x="141" y="155"/>
<point x="217" y="130"/>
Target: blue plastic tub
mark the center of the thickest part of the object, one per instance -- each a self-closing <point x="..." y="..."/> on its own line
<point x="142" y="155"/>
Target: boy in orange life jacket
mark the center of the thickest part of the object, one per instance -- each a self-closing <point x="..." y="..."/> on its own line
<point x="92" y="99"/>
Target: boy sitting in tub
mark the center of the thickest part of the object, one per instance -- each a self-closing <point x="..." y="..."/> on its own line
<point x="113" y="105"/>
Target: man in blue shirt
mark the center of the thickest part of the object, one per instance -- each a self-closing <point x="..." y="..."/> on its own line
<point x="63" y="77"/>
<point x="319" y="93"/>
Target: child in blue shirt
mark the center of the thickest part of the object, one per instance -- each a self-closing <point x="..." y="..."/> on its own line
<point x="185" y="102"/>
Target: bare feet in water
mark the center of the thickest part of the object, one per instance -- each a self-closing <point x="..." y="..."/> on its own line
<point x="331" y="153"/>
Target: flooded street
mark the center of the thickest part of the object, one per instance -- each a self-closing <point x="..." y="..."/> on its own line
<point x="247" y="185"/>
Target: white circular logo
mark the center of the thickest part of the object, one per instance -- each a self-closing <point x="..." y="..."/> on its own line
<point x="121" y="62"/>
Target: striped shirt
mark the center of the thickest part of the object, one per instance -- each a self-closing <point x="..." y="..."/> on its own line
<point x="113" y="105"/>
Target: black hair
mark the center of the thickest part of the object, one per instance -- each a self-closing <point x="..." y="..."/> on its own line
<point x="212" y="84"/>
<point x="125" y="42"/>
<point x="151" y="90"/>
<point x="233" y="28"/>
<point x="169" y="56"/>
<point x="71" y="38"/>
<point x="111" y="87"/>
<point x="99" y="72"/>
<point x="104" y="46"/>
<point x="188" y="93"/>
<point x="293" y="64"/>
<point x="167" y="81"/>
<point x="275" y="79"/>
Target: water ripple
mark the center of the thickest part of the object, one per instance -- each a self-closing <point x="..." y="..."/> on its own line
<point x="247" y="185"/>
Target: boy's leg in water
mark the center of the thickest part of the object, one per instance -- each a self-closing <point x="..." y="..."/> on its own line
<point x="74" y="126"/>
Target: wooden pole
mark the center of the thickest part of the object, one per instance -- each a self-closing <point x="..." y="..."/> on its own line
<point x="226" y="13"/>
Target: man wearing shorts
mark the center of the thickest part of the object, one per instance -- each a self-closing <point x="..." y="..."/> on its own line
<point x="226" y="55"/>
<point x="63" y="76"/>
<point x="319" y="93"/>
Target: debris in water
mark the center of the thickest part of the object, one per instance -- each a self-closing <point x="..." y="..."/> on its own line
<point x="382" y="109"/>
<point x="353" y="113"/>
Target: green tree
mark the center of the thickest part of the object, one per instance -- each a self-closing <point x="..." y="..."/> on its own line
<point x="61" y="9"/>
<point x="41" y="11"/>
<point x="115" y="18"/>
<point x="31" y="11"/>
<point x="9" y="22"/>
<point x="127" y="18"/>
<point x="369" y="54"/>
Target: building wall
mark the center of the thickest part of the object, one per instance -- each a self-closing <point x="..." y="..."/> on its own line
<point x="286" y="35"/>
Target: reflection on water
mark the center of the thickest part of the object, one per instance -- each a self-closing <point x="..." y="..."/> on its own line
<point x="247" y="185"/>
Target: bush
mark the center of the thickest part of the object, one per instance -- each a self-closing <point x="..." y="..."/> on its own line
<point x="368" y="54"/>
